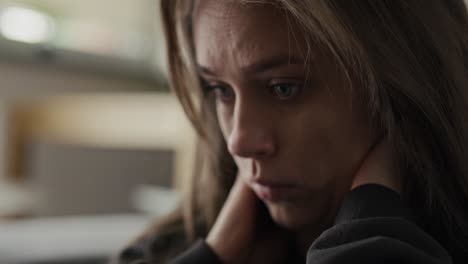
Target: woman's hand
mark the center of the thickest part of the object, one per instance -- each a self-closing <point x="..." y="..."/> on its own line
<point x="378" y="168"/>
<point x="234" y="228"/>
<point x="235" y="236"/>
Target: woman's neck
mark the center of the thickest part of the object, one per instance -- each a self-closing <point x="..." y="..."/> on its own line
<point x="307" y="235"/>
<point x="303" y="243"/>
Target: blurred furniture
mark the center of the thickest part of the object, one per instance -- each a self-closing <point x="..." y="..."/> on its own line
<point x="90" y="200"/>
<point x="94" y="169"/>
<point x="132" y="121"/>
<point x="77" y="179"/>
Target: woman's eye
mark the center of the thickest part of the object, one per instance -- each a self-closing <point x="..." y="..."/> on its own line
<point x="285" y="91"/>
<point x="222" y="93"/>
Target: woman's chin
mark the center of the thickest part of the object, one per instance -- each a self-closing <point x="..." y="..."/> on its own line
<point x="289" y="216"/>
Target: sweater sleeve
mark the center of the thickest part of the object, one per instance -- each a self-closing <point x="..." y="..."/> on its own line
<point x="199" y="253"/>
<point x="374" y="226"/>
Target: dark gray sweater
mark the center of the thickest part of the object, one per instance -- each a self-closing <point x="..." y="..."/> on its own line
<point x="373" y="225"/>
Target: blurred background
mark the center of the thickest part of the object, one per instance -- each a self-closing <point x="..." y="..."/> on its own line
<point x="93" y="146"/>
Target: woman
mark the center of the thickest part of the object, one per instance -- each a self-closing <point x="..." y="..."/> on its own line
<point x="331" y="131"/>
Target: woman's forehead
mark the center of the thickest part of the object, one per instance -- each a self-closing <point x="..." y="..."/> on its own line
<point x="232" y="9"/>
<point x="232" y="14"/>
<point x="251" y="30"/>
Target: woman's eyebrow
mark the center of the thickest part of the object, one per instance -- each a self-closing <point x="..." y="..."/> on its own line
<point x="260" y="66"/>
<point x="203" y="70"/>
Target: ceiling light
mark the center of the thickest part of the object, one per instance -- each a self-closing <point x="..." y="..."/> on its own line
<point x="25" y="25"/>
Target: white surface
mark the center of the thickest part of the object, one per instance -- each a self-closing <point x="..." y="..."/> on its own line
<point x="156" y="201"/>
<point x="71" y="237"/>
<point x="14" y="199"/>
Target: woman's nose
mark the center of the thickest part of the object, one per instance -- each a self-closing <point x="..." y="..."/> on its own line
<point x="250" y="137"/>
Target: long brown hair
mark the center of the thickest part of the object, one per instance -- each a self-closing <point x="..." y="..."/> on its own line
<point x="407" y="59"/>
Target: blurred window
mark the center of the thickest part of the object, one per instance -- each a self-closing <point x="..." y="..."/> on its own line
<point x="122" y="29"/>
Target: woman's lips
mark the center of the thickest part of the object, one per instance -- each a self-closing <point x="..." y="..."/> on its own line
<point x="275" y="192"/>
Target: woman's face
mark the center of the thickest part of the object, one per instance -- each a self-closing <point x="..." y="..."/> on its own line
<point x="295" y="132"/>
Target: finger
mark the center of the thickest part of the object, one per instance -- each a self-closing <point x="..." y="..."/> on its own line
<point x="378" y="168"/>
